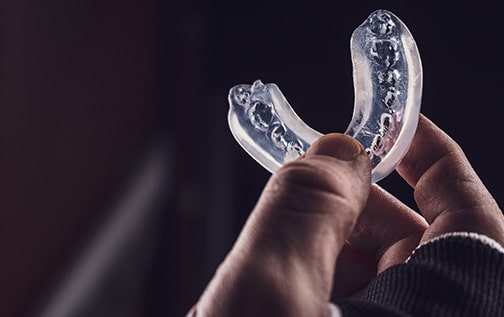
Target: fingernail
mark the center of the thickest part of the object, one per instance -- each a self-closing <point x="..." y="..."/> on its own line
<point x="340" y="146"/>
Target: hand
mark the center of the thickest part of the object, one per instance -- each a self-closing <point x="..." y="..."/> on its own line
<point x="283" y="262"/>
<point x="309" y="216"/>
<point x="449" y="195"/>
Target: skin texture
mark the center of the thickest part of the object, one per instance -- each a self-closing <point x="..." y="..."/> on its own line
<point x="320" y="229"/>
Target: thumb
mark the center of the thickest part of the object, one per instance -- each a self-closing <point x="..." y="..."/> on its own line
<point x="309" y="207"/>
<point x="286" y="253"/>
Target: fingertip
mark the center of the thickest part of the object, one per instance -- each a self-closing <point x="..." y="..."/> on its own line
<point x="336" y="145"/>
<point x="343" y="148"/>
<point x="429" y="145"/>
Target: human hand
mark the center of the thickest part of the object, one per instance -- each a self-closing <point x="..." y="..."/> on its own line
<point x="449" y="195"/>
<point x="283" y="262"/>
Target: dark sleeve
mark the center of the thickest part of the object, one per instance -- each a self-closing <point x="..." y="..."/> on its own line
<point x="457" y="275"/>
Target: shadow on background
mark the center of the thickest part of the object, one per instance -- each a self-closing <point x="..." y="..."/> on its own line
<point x="114" y="139"/>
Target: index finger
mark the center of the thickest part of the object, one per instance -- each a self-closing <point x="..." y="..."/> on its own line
<point x="446" y="184"/>
<point x="430" y="147"/>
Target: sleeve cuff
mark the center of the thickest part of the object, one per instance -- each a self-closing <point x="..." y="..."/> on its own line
<point x="470" y="235"/>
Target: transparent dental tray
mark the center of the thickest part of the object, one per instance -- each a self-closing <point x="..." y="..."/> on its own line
<point x="387" y="76"/>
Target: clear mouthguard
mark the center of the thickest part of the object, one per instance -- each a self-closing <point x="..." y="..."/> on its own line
<point x="387" y="75"/>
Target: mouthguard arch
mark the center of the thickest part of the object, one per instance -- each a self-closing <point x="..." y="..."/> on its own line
<point x="387" y="77"/>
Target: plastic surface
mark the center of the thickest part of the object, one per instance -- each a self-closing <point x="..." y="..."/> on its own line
<point x="387" y="74"/>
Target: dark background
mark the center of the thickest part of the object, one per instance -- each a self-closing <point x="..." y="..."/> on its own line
<point x="88" y="87"/>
